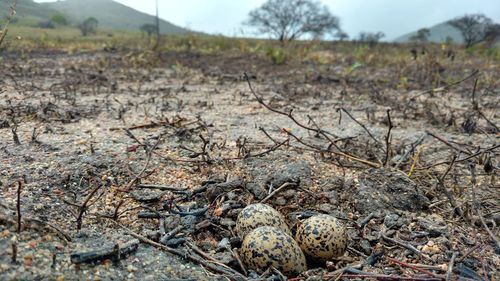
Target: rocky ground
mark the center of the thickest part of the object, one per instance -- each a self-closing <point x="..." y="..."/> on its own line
<point x="84" y="136"/>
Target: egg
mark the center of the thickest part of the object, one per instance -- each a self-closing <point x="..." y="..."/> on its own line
<point x="255" y="215"/>
<point x="322" y="237"/>
<point x="268" y="246"/>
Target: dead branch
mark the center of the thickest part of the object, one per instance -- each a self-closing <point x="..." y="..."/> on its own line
<point x="411" y="150"/>
<point x="444" y="88"/>
<point x="289" y="114"/>
<point x="163" y="187"/>
<point x="338" y="153"/>
<point x="448" y="143"/>
<point x="450" y="266"/>
<point x="441" y="186"/>
<point x="15" y="137"/>
<point x="116" y="251"/>
<point x="361" y="124"/>
<point x="388" y="138"/>
<point x="416" y="268"/>
<point x="18" y="206"/>
<point x="83" y="207"/>
<point x="479" y="153"/>
<point x="283" y="186"/>
<point x="405" y="245"/>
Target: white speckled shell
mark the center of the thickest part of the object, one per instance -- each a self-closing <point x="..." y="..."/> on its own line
<point x="322" y="237"/>
<point x="269" y="246"/>
<point x="255" y="215"/>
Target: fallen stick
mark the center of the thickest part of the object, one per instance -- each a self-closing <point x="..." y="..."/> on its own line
<point x="163" y="187"/>
<point x="18" y="206"/>
<point x="107" y="253"/>
<point x="283" y="186"/>
<point x="407" y="246"/>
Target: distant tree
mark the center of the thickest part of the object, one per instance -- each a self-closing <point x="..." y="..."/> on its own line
<point x="148" y="28"/>
<point x="288" y="20"/>
<point x="370" y="37"/>
<point x="472" y="27"/>
<point x="89" y="26"/>
<point x="341" y="35"/>
<point x="492" y="34"/>
<point x="422" y="35"/>
<point x="59" y="19"/>
<point x="46" y="24"/>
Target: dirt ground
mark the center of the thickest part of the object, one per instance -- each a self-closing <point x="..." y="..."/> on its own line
<point x="95" y="130"/>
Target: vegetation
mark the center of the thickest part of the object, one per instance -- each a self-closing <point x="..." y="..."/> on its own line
<point x="475" y="28"/>
<point x="59" y="19"/>
<point x="371" y="38"/>
<point x="287" y="20"/>
<point x="422" y="35"/>
<point x="110" y="14"/>
<point x="148" y="28"/>
<point x="4" y="29"/>
<point x="89" y="26"/>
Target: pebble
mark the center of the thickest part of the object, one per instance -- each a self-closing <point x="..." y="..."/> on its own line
<point x="131" y="268"/>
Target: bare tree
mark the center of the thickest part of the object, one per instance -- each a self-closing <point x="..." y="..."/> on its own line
<point x="287" y="20"/>
<point x="472" y="27"/>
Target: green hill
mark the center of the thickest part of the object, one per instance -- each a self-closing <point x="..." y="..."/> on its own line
<point x="110" y="14"/>
<point x="438" y="34"/>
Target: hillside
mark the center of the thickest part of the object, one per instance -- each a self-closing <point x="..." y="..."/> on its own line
<point x="439" y="33"/>
<point x="28" y="12"/>
<point x="110" y="14"/>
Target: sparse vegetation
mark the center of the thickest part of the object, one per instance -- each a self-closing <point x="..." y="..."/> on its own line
<point x="372" y="38"/>
<point x="120" y="161"/>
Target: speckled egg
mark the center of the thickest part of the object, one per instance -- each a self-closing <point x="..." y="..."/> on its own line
<point x="322" y="237"/>
<point x="255" y="215"/>
<point x="268" y="246"/>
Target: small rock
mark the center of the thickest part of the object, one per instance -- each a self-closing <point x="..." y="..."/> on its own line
<point x="224" y="244"/>
<point x="365" y="246"/>
<point x="258" y="191"/>
<point x="326" y="208"/>
<point x="227" y="222"/>
<point x="434" y="224"/>
<point x="391" y="220"/>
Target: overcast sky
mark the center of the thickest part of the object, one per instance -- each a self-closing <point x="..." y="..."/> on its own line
<point x="393" y="17"/>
